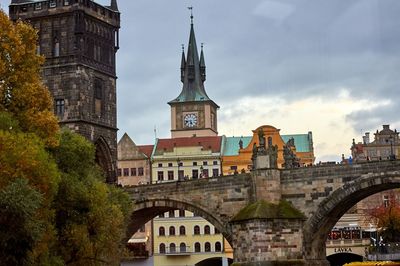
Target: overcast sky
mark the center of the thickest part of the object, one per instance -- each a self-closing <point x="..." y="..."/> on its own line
<point x="300" y="65"/>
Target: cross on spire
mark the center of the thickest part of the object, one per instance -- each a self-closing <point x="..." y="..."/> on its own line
<point x="191" y="14"/>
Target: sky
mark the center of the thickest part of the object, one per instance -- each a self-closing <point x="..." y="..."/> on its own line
<point x="330" y="67"/>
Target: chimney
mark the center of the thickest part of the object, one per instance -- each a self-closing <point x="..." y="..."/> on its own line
<point x="366" y="138"/>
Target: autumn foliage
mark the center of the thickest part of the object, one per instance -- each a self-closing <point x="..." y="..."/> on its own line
<point x="387" y="217"/>
<point x="54" y="207"/>
<point x="22" y="92"/>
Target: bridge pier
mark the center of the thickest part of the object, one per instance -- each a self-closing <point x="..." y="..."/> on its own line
<point x="264" y="233"/>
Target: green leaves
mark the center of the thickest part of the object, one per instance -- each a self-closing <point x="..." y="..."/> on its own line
<point x="19" y="205"/>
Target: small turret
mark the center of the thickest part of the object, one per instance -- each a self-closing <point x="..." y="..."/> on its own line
<point x="114" y="5"/>
<point x="183" y="64"/>
<point x="202" y="65"/>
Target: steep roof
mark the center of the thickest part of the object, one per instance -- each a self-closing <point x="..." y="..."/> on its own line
<point x="128" y="150"/>
<point x="146" y="149"/>
<point x="301" y="141"/>
<point x="193" y="74"/>
<point x="231" y="146"/>
<point x="207" y="143"/>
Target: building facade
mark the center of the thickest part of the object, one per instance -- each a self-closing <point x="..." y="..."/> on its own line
<point x="134" y="168"/>
<point x="186" y="158"/>
<point x="384" y="146"/>
<point x="238" y="151"/>
<point x="79" y="40"/>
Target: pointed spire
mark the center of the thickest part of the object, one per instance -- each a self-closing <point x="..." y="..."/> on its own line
<point x="183" y="64"/>
<point x="192" y="71"/>
<point x="114" y="5"/>
<point x="202" y="65"/>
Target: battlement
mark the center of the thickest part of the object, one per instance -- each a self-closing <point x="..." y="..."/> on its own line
<point x="24" y="9"/>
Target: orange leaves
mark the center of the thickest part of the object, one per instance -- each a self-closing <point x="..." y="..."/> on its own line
<point x="21" y="91"/>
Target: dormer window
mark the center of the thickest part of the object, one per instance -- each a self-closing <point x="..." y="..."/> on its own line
<point x="52" y="3"/>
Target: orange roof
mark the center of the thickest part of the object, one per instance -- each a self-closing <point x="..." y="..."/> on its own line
<point x="208" y="143"/>
<point x="146" y="149"/>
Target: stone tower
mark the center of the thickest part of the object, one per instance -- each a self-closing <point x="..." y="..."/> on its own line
<point x="79" y="39"/>
<point x="193" y="113"/>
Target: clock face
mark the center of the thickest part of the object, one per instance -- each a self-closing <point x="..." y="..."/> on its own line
<point x="190" y="120"/>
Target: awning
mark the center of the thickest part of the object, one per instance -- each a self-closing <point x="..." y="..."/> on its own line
<point x="138" y="240"/>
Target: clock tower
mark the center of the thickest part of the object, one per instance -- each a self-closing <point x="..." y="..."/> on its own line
<point x="193" y="113"/>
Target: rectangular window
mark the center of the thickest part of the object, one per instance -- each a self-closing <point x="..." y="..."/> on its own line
<point x="180" y="164"/>
<point x="195" y="173"/>
<point x="215" y="172"/>
<point x="160" y="165"/>
<point x="205" y="163"/>
<point x="160" y="175"/>
<point x="66" y="2"/>
<point x="119" y="172"/>
<point x="171" y="214"/>
<point x="170" y="175"/>
<point x="140" y="171"/>
<point x="133" y="171"/>
<point x="169" y="164"/>
<point x="181" y="213"/>
<point x="233" y="167"/>
<point x="98" y="97"/>
<point x="194" y="163"/>
<point x="60" y="107"/>
<point x="38" y="6"/>
<point x="53" y="3"/>
<point x="215" y="162"/>
<point x="126" y="171"/>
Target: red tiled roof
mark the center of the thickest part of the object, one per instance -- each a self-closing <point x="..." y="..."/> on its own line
<point x="146" y="149"/>
<point x="213" y="143"/>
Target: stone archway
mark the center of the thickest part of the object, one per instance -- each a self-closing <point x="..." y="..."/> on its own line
<point x="148" y="209"/>
<point x="104" y="159"/>
<point x="331" y="209"/>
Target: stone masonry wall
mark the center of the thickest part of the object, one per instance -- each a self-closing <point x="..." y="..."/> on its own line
<point x="267" y="240"/>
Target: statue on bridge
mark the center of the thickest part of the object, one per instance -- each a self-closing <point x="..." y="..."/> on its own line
<point x="264" y="157"/>
<point x="291" y="161"/>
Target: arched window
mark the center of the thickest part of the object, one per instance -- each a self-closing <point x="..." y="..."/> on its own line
<point x="182" y="230"/>
<point x="161" y="231"/>
<point x="172" y="248"/>
<point x="197" y="247"/>
<point x="207" y="230"/>
<point x="171" y="230"/>
<point x="197" y="230"/>
<point x="182" y="247"/>
<point x="218" y="247"/>
<point x="207" y="247"/>
<point x="216" y="231"/>
<point x="162" y="248"/>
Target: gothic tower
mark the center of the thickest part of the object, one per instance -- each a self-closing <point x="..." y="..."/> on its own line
<point x="193" y="113"/>
<point x="79" y="39"/>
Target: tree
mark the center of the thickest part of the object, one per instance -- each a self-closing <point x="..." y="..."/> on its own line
<point x="90" y="215"/>
<point x="22" y="92"/>
<point x="387" y="217"/>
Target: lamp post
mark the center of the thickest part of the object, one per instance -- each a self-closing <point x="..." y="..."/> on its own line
<point x="179" y="164"/>
<point x="392" y="157"/>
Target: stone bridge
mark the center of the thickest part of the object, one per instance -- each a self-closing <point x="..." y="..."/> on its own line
<point x="253" y="213"/>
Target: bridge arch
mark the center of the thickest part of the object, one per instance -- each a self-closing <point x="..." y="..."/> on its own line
<point x="148" y="209"/>
<point x="332" y="208"/>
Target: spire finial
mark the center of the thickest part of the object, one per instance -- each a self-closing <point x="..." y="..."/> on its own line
<point x="191" y="14"/>
<point x="202" y="45"/>
<point x="183" y="47"/>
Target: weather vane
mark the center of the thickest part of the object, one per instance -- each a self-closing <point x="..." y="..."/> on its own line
<point x="191" y="13"/>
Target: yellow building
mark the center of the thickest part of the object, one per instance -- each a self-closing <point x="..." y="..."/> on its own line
<point x="182" y="238"/>
<point x="237" y="151"/>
